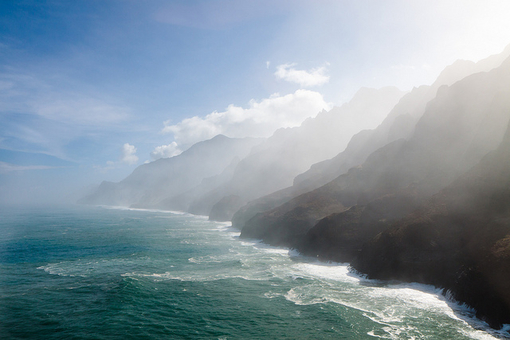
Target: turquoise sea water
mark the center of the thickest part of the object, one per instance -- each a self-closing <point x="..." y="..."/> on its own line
<point x="96" y="273"/>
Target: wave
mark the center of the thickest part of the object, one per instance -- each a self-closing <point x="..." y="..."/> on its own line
<point x="173" y="212"/>
<point x="191" y="277"/>
<point x="196" y="250"/>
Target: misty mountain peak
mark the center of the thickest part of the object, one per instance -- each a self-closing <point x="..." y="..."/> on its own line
<point x="462" y="68"/>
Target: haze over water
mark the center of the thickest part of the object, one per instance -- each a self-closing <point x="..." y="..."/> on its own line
<point x="95" y="273"/>
<point x="91" y="90"/>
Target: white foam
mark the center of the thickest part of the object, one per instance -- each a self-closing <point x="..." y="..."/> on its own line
<point x="223" y="225"/>
<point x="173" y="212"/>
<point x="301" y="297"/>
<point x="85" y="268"/>
<point x="57" y="269"/>
<point x="248" y="243"/>
<point x="334" y="272"/>
<point x="395" y="307"/>
<point x="272" y="295"/>
<point x="190" y="277"/>
<point x="391" y="305"/>
<point x="278" y="251"/>
<point x="208" y="259"/>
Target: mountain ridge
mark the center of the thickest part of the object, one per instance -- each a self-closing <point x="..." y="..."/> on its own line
<point x="458" y="240"/>
<point x="150" y="183"/>
<point x="399" y="124"/>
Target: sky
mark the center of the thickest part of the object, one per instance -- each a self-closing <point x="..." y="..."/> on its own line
<point x="91" y="89"/>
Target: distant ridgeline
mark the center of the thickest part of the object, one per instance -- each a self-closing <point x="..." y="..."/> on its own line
<point x="424" y="196"/>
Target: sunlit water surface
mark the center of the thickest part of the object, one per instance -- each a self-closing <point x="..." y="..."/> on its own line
<point x="96" y="273"/>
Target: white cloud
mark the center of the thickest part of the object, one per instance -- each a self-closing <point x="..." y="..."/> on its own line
<point x="165" y="151"/>
<point x="260" y="119"/>
<point x="129" y="154"/>
<point x="313" y="77"/>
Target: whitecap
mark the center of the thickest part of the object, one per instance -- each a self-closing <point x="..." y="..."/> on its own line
<point x="300" y="296"/>
<point x="272" y="295"/>
<point x="335" y="272"/>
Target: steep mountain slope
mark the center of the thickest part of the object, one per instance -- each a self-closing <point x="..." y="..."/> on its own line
<point x="152" y="182"/>
<point x="462" y="123"/>
<point x="184" y="201"/>
<point x="274" y="164"/>
<point x="399" y="124"/>
<point x="458" y="240"/>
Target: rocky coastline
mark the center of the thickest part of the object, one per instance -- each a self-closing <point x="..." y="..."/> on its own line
<point x="458" y="240"/>
<point x="433" y="208"/>
<point x="423" y="197"/>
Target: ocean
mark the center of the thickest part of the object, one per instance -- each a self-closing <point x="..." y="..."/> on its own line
<point x="95" y="273"/>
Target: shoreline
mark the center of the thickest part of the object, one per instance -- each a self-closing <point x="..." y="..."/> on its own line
<point x="461" y="310"/>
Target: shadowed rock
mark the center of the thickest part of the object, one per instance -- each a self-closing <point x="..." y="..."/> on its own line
<point x="458" y="240"/>
<point x="400" y="124"/>
<point x="463" y="122"/>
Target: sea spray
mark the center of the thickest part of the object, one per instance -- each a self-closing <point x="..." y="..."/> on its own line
<point x="104" y="273"/>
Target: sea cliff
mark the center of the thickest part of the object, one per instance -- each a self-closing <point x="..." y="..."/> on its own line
<point x="431" y="208"/>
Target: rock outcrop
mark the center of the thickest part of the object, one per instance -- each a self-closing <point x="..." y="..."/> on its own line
<point x="461" y="124"/>
<point x="423" y="197"/>
<point x="340" y="237"/>
<point x="458" y="240"/>
<point x="399" y="124"/>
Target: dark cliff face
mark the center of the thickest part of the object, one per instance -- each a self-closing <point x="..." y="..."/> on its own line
<point x="399" y="124"/>
<point x="459" y="240"/>
<point x="288" y="223"/>
<point x="358" y="149"/>
<point x="340" y="236"/>
<point x="463" y="122"/>
<point x="430" y="209"/>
